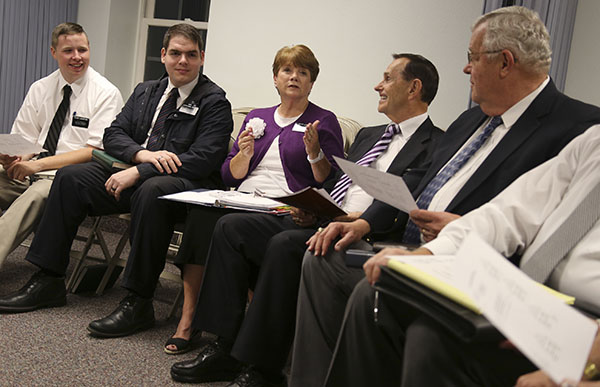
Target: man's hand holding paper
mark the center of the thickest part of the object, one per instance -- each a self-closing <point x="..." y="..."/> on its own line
<point x="430" y="223"/>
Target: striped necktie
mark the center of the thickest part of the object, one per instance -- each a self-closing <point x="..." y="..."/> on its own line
<point x="543" y="261"/>
<point x="157" y="131"/>
<point x="341" y="187"/>
<point x="412" y="235"/>
<point x="57" y="124"/>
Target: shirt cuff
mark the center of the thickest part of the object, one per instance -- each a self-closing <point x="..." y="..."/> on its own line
<point x="441" y="246"/>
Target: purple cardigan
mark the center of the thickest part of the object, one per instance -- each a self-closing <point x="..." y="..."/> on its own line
<point x="296" y="167"/>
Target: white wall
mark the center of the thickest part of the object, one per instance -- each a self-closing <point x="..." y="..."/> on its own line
<point x="112" y="27"/>
<point x="93" y="15"/>
<point x="353" y="41"/>
<point x="583" y="81"/>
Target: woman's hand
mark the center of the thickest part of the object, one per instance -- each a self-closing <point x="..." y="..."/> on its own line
<point x="246" y="143"/>
<point x="241" y="161"/>
<point x="302" y="218"/>
<point x="311" y="140"/>
<point x="320" y="167"/>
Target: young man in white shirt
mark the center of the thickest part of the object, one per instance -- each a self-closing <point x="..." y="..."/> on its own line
<point x="92" y="102"/>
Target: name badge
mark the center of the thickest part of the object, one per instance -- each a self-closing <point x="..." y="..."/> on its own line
<point x="299" y="127"/>
<point x="189" y="108"/>
<point x="82" y="122"/>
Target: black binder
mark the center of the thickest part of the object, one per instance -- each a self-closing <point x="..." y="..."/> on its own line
<point x="464" y="323"/>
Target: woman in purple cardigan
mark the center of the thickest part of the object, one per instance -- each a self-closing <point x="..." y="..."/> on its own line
<point x="279" y="150"/>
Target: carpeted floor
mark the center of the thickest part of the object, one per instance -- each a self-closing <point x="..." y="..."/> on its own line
<point x="52" y="346"/>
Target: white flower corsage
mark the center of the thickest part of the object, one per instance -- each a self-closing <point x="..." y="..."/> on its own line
<point x="258" y="127"/>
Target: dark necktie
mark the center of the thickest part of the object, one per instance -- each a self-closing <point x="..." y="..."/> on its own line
<point x="412" y="235"/>
<point x="157" y="131"/>
<point x="341" y="187"/>
<point x="541" y="264"/>
<point x="57" y="124"/>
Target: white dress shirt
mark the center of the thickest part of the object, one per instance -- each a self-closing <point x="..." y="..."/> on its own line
<point x="444" y="196"/>
<point x="356" y="198"/>
<point x="93" y="97"/>
<point x="523" y="216"/>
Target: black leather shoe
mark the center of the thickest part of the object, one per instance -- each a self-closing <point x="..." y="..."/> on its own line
<point x="133" y="314"/>
<point x="250" y="377"/>
<point x="213" y="364"/>
<point x="41" y="291"/>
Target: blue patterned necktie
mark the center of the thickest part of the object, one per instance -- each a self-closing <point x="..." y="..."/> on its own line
<point x="412" y="235"/>
<point x="167" y="108"/>
<point x="57" y="123"/>
<point x="341" y="187"/>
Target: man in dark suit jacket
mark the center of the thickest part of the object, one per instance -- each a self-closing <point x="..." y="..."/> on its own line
<point x="535" y="122"/>
<point x="176" y="132"/>
<point x="273" y="247"/>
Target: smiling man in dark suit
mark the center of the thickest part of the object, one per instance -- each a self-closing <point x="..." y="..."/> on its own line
<point x="522" y="120"/>
<point x="262" y="336"/>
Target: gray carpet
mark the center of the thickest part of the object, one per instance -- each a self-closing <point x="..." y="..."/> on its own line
<point x="52" y="346"/>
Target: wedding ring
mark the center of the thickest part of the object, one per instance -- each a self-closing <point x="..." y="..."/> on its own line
<point x="423" y="231"/>
<point x="320" y="229"/>
<point x="113" y="189"/>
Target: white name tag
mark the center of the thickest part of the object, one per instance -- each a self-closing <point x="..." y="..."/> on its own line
<point x="298" y="127"/>
<point x="189" y="109"/>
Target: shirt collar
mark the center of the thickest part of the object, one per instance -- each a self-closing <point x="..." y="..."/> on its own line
<point x="185" y="90"/>
<point x="409" y="127"/>
<point x="512" y="115"/>
<point x="77" y="86"/>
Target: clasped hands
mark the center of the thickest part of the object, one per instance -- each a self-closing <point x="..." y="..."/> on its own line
<point x="19" y="167"/>
<point x="164" y="161"/>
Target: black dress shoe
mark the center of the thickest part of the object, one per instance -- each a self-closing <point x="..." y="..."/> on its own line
<point x="41" y="291"/>
<point x="213" y="364"/>
<point x="133" y="314"/>
<point x="250" y="377"/>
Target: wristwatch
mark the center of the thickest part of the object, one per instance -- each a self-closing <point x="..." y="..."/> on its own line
<point x="591" y="372"/>
<point x="317" y="159"/>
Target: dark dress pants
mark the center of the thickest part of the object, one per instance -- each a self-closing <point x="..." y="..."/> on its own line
<point x="325" y="286"/>
<point x="258" y="251"/>
<point x="369" y="352"/>
<point x="78" y="191"/>
<point x="435" y="357"/>
<point x="405" y="348"/>
<point x="197" y="234"/>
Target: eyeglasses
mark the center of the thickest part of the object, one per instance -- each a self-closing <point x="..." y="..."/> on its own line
<point x="471" y="54"/>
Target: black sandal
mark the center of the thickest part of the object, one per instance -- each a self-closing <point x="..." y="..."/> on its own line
<point x="182" y="345"/>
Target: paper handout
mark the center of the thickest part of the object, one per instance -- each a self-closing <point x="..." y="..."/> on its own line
<point x="16" y="145"/>
<point x="554" y="336"/>
<point x="388" y="188"/>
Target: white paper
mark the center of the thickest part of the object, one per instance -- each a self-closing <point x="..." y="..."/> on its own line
<point x="388" y="188"/>
<point x="16" y="145"/>
<point x="554" y="336"/>
<point x="227" y="198"/>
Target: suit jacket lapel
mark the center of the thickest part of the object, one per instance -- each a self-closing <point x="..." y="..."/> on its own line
<point x="451" y="142"/>
<point x="525" y="126"/>
<point x="413" y="147"/>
